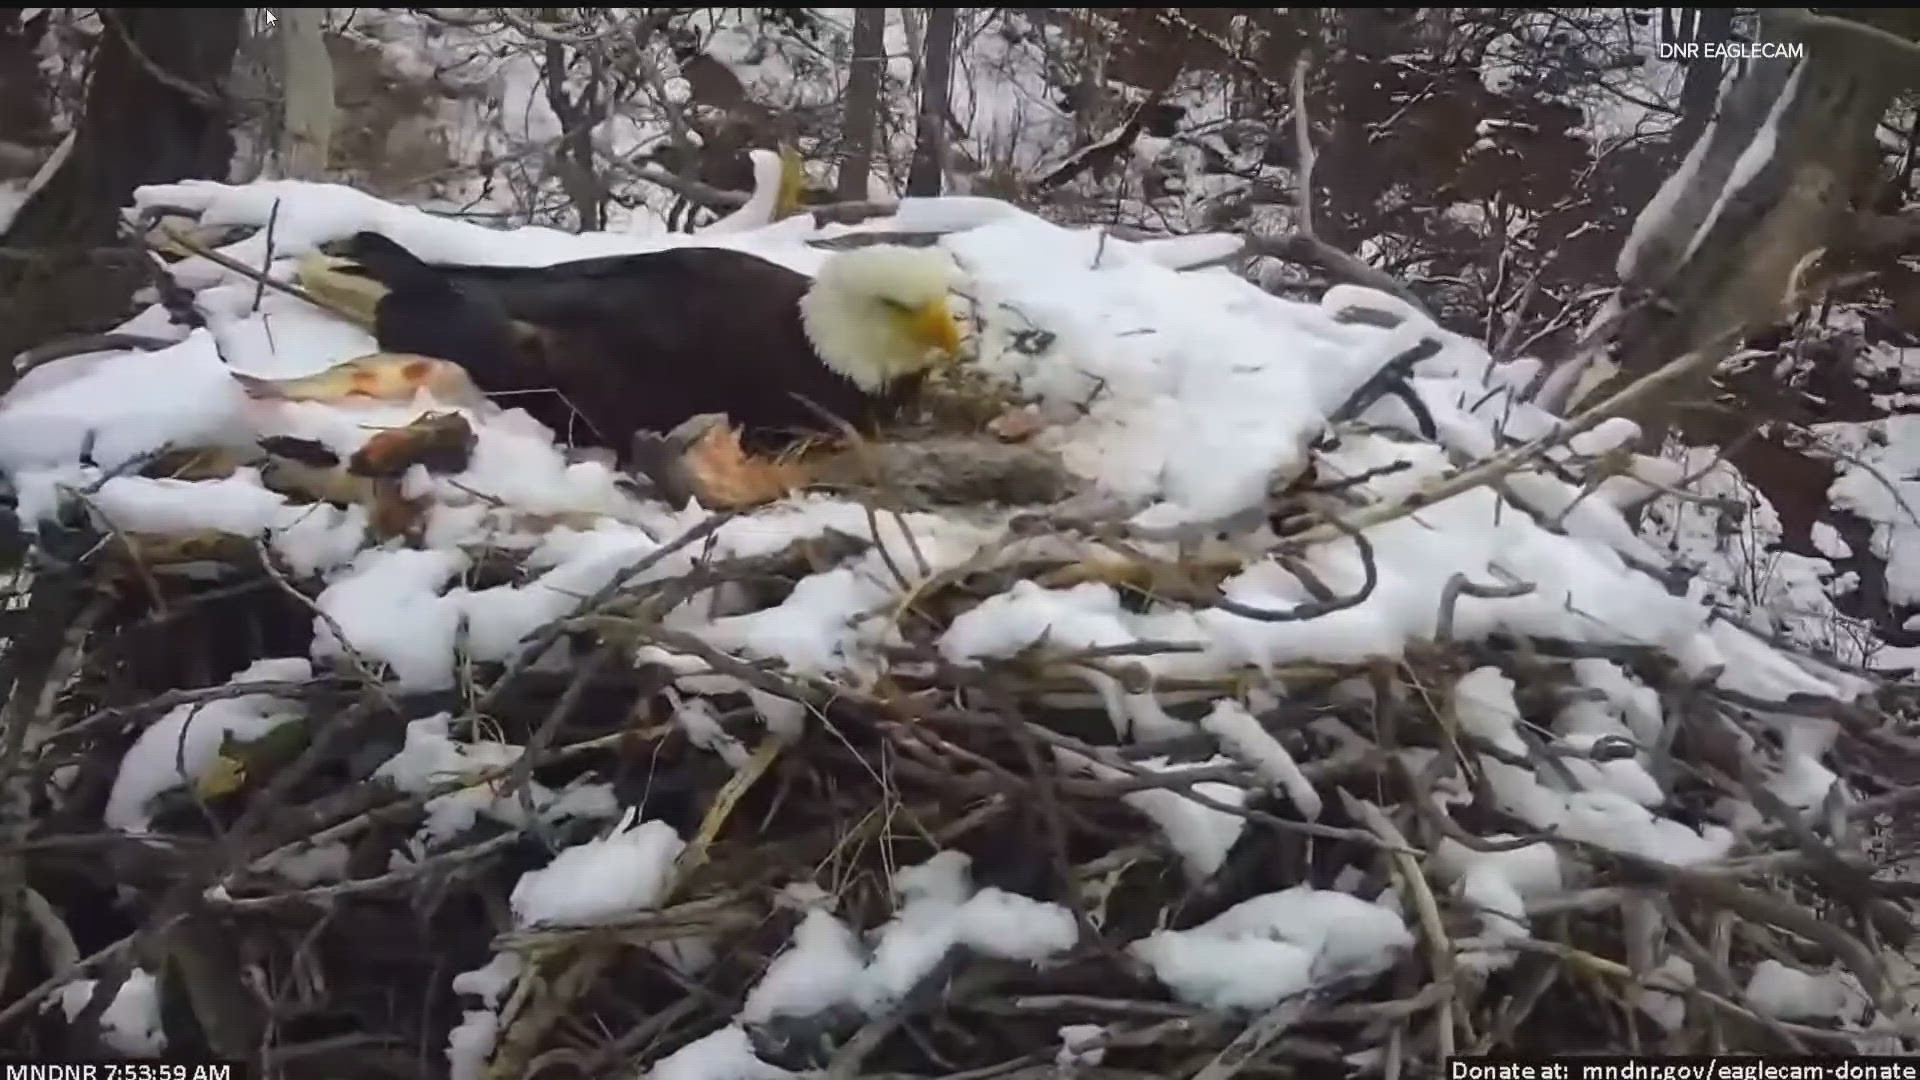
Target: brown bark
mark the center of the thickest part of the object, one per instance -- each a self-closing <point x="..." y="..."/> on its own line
<point x="154" y="114"/>
<point x="573" y="159"/>
<point x="24" y="122"/>
<point x="1702" y="86"/>
<point x="864" y="75"/>
<point x="1759" y="256"/>
<point x="927" y="176"/>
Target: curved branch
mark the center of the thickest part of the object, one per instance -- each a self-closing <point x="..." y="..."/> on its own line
<point x="1314" y="609"/>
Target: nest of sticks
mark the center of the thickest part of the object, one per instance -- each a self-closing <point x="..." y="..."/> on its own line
<point x="350" y="976"/>
<point x="348" y="972"/>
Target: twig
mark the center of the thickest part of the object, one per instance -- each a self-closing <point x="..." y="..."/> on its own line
<point x="27" y="1002"/>
<point x="266" y="260"/>
<point x="1413" y="884"/>
<point x="1508" y="461"/>
<point x="544" y="638"/>
<point x="199" y="95"/>
<point x="1254" y="1038"/>
<point x="360" y="667"/>
<point x="361" y="886"/>
<point x="172" y="699"/>
<point x="520" y="782"/>
<point x="1392" y="378"/>
<point x="1305" y="245"/>
<point x="1315" y="609"/>
<point x="226" y="262"/>
<point x="1458" y="586"/>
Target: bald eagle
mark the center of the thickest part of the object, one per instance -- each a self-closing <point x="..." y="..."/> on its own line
<point x="601" y="349"/>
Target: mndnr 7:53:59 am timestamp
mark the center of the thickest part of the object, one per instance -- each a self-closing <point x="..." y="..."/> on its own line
<point x="119" y="1070"/>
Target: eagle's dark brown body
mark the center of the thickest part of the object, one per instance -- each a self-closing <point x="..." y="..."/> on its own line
<point x="631" y="342"/>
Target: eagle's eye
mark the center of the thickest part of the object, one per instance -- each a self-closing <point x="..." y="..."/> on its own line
<point x="896" y="305"/>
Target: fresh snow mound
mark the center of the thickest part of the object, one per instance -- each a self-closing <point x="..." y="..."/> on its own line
<point x="1262" y="951"/>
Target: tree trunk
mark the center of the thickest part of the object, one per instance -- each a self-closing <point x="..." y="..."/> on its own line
<point x="154" y="114"/>
<point x="306" y="76"/>
<point x="24" y="122"/>
<point x="864" y="75"/>
<point x="1739" y="246"/>
<point x="930" y="136"/>
<point x="573" y="158"/>
<point x="1701" y="90"/>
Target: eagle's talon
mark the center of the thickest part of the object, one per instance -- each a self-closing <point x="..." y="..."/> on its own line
<point x="719" y="471"/>
<point x="695" y="430"/>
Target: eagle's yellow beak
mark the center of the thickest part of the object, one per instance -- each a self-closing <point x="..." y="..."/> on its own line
<point x="933" y="326"/>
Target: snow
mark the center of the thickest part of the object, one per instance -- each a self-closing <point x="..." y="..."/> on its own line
<point x="627" y="871"/>
<point x="1250" y="742"/>
<point x="1499" y="883"/>
<point x="431" y="758"/>
<point x="495" y="621"/>
<point x="1009" y="926"/>
<point x="823" y="964"/>
<point x="1633" y="704"/>
<point x="1667" y="1009"/>
<point x="726" y="1054"/>
<point x="1264" y="950"/>
<point x="126" y="403"/>
<point x="1875" y="463"/>
<point x="1828" y="541"/>
<point x="470" y="1044"/>
<point x="312" y="865"/>
<point x="309" y="537"/>
<point x="1787" y="993"/>
<point x="490" y="983"/>
<point x="1131" y="326"/>
<point x="130" y="1024"/>
<point x="1484" y="706"/>
<point x="696" y="720"/>
<point x="312" y="214"/>
<point x="827" y="965"/>
<point x="1200" y="835"/>
<point x="178" y="748"/>
<point x="1081" y="1044"/>
<point x="1196" y="409"/>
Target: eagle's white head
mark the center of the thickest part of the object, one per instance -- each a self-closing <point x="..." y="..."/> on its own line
<point x="875" y="314"/>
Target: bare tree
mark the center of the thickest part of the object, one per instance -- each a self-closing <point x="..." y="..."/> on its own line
<point x="307" y="90"/>
<point x="155" y="113"/>
<point x="930" y="135"/>
<point x="864" y="75"/>
<point x="578" y="114"/>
